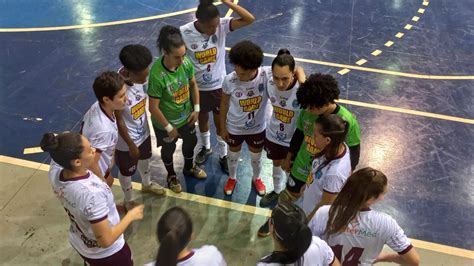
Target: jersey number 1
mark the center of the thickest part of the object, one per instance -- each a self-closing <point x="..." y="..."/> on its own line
<point x="351" y="258"/>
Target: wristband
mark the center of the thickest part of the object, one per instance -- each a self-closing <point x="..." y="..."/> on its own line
<point x="169" y="128"/>
<point x="197" y="108"/>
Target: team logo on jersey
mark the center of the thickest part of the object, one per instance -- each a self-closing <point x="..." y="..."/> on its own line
<point x="138" y="109"/>
<point x="206" y="56"/>
<point x="272" y="99"/>
<point x="214" y="38"/>
<point x="238" y="94"/>
<point x="204" y="45"/>
<point x="260" y="88"/>
<point x="251" y="104"/>
<point x="250" y="124"/>
<point x="282" y="103"/>
<point x="281" y="136"/>
<point x="194" y="46"/>
<point x="207" y="77"/>
<point x="283" y="115"/>
<point x="182" y="95"/>
<point x="295" y="103"/>
<point x="138" y="97"/>
<point x="310" y="145"/>
<point x="250" y="93"/>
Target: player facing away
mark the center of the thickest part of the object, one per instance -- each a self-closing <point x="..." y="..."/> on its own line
<point x="99" y="124"/>
<point x="283" y="79"/>
<point x="174" y="232"/>
<point x="174" y="104"/>
<point x="205" y="46"/>
<point x="293" y="242"/>
<point x="96" y="231"/>
<point x="316" y="97"/>
<point x="355" y="232"/>
<point x="133" y="149"/>
<point x="332" y="165"/>
<point x="243" y="104"/>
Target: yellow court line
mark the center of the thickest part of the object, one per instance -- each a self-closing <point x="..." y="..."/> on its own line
<point x="399" y="35"/>
<point x="32" y="150"/>
<point x="389" y="43"/>
<point x="408" y="111"/>
<point x="415" y="18"/>
<point x="361" y="62"/>
<point x="343" y="71"/>
<point x="242" y="207"/>
<point x="103" y="24"/>
<point x="376" y="52"/>
<point x="230" y="11"/>
<point x="408" y="27"/>
<point x="421" y="10"/>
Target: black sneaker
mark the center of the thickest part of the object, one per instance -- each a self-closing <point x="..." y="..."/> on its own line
<point x="269" y="199"/>
<point x="264" y="230"/>
<point x="224" y="166"/>
<point x="203" y="155"/>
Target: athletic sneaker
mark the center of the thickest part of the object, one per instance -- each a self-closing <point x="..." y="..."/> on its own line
<point x="153" y="188"/>
<point x="264" y="230"/>
<point x="203" y="155"/>
<point x="174" y="184"/>
<point x="269" y="199"/>
<point x="196" y="172"/>
<point x="259" y="186"/>
<point x="229" y="186"/>
<point x="224" y="166"/>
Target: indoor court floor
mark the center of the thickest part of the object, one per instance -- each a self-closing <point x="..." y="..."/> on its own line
<point x="405" y="68"/>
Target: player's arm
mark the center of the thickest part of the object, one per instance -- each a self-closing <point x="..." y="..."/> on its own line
<point x="123" y="131"/>
<point x="160" y="117"/>
<point x="195" y="97"/>
<point x="327" y="199"/>
<point x="409" y="258"/>
<point x="224" y="109"/>
<point x="245" y="17"/>
<point x="106" y="234"/>
<point x="300" y="75"/>
<point x="355" y="155"/>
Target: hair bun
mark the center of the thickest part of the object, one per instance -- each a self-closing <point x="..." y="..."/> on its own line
<point x="205" y="2"/>
<point x="49" y="142"/>
<point x="283" y="51"/>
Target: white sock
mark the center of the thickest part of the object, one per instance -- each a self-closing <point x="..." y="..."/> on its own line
<point x="144" y="170"/>
<point x="126" y="184"/>
<point x="206" y="139"/>
<point x="232" y="162"/>
<point x="278" y="179"/>
<point x="256" y="162"/>
<point x="221" y="147"/>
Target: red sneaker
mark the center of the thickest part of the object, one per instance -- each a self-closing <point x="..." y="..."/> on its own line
<point x="259" y="187"/>
<point x="229" y="186"/>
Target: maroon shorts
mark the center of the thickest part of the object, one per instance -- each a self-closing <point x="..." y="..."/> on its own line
<point x="210" y="101"/>
<point x="122" y="258"/>
<point x="275" y="151"/>
<point x="255" y="141"/>
<point x="126" y="164"/>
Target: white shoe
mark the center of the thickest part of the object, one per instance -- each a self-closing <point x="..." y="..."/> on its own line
<point x="154" y="188"/>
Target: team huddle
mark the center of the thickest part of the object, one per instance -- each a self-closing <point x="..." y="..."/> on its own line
<point x="320" y="203"/>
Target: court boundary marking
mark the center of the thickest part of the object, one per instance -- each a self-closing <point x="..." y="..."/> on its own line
<point x="444" y="249"/>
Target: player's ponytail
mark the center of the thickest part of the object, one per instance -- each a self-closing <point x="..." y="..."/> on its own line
<point x="336" y="128"/>
<point x="284" y="58"/>
<point x="169" y="38"/>
<point x="361" y="186"/>
<point x="206" y="11"/>
<point x="174" y="233"/>
<point x="291" y="231"/>
<point x="63" y="148"/>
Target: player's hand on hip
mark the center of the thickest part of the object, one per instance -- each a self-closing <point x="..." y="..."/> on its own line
<point x="225" y="134"/>
<point x="136" y="213"/>
<point x="193" y="118"/>
<point x="134" y="152"/>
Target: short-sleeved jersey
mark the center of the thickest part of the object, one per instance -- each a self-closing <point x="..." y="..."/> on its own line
<point x="286" y="109"/>
<point x="207" y="53"/>
<point x="318" y="253"/>
<point x="206" y="255"/>
<point x="305" y="123"/>
<point x="327" y="177"/>
<point x="101" y="131"/>
<point x="248" y="101"/>
<point x="173" y="90"/>
<point x="135" y="117"/>
<point x="87" y="200"/>
<point x="363" y="239"/>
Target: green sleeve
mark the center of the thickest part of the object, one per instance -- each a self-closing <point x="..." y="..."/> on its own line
<point x="299" y="122"/>
<point x="154" y="86"/>
<point x="353" y="136"/>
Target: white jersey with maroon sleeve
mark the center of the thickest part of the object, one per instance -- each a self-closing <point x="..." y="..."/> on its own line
<point x="364" y="238"/>
<point x="326" y="177"/>
<point x="87" y="200"/>
<point x="247" y="104"/>
<point x="285" y="112"/>
<point x="207" y="53"/>
<point x="318" y="253"/>
<point x="101" y="131"/>
<point x="135" y="117"/>
<point x="206" y="255"/>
